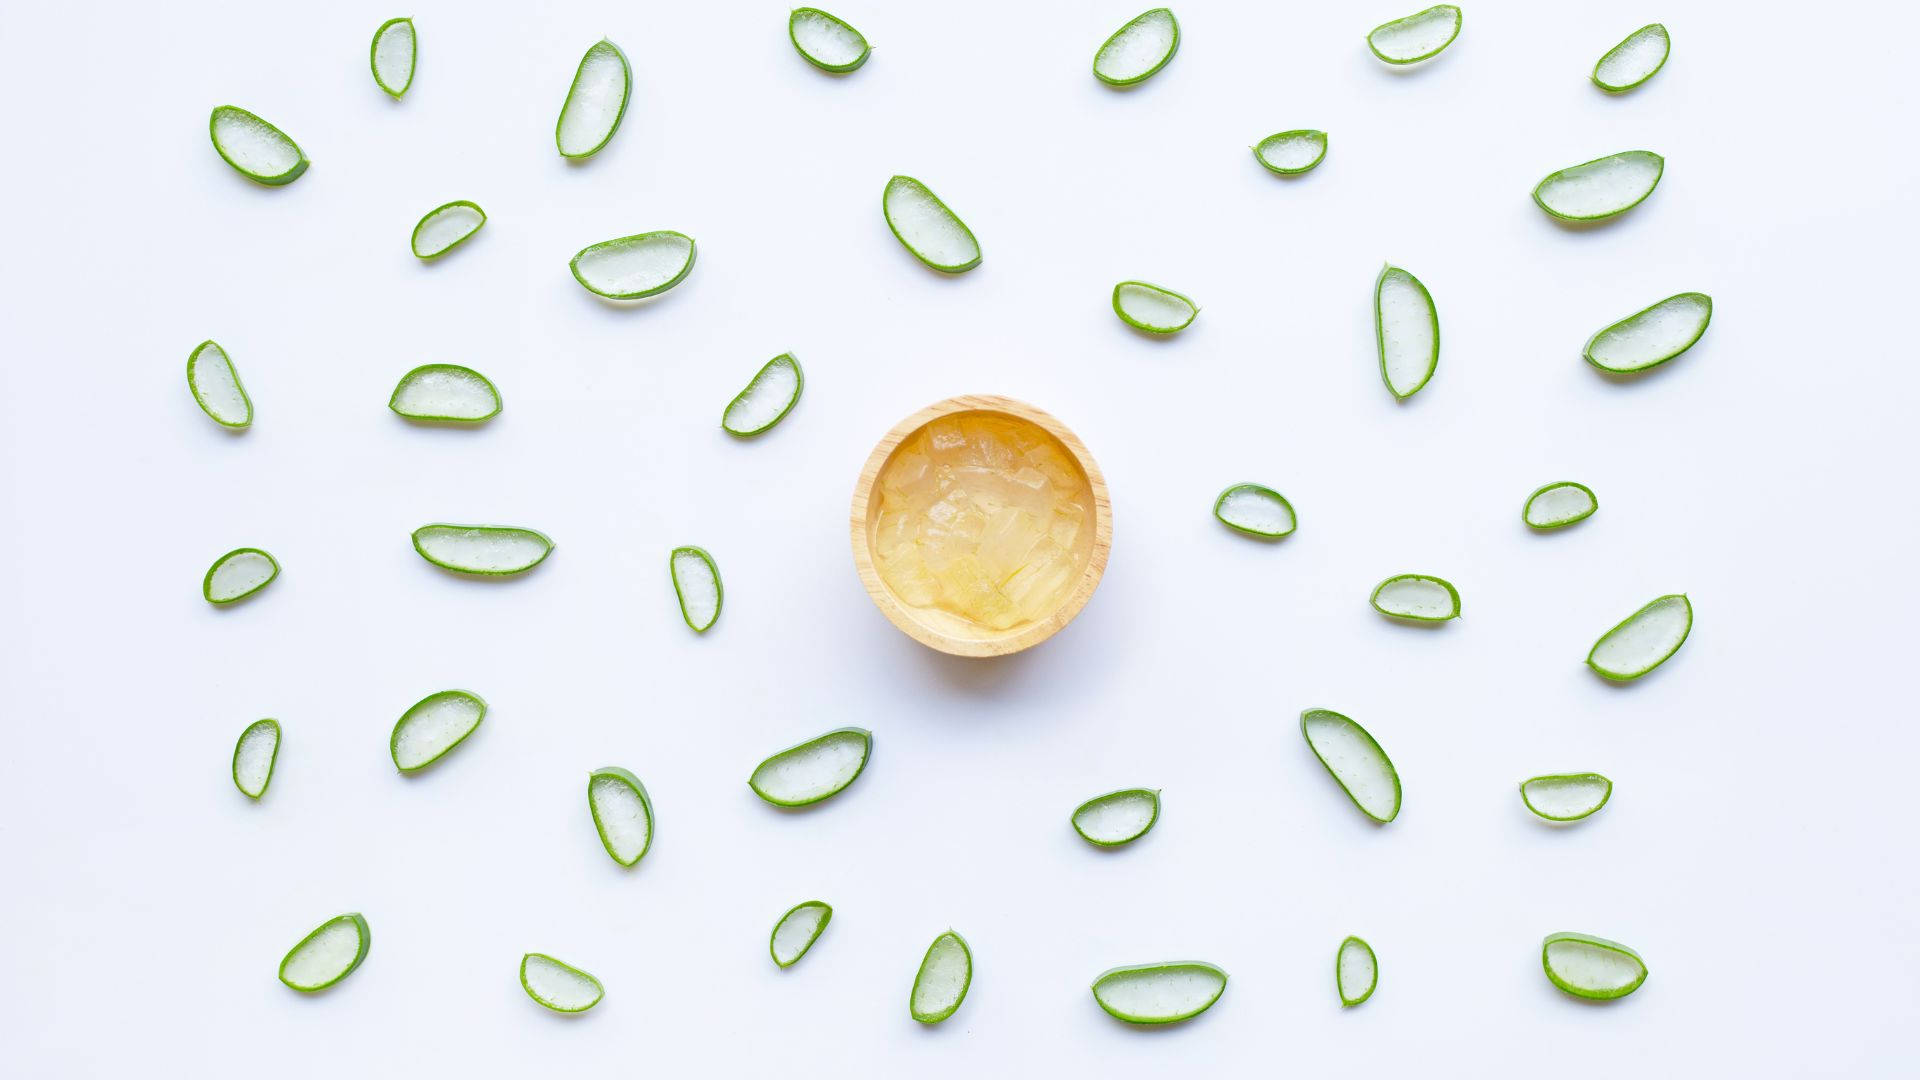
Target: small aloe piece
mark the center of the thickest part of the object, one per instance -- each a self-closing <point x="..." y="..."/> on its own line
<point x="1152" y="308"/>
<point x="1635" y="60"/>
<point x="1355" y="760"/>
<point x="395" y="50"/>
<point x="327" y="955"/>
<point x="559" y="986"/>
<point x="1356" y="971"/>
<point x="1164" y="993"/>
<point x="1601" y="188"/>
<point x="1291" y="152"/>
<point x="237" y="575"/>
<point x="927" y="228"/>
<point x="814" y="770"/>
<point x="1139" y="49"/>
<point x="445" y="393"/>
<point x="595" y="103"/>
<point x="797" y="930"/>
<point x="631" y="267"/>
<point x="433" y="726"/>
<point x="1421" y="597"/>
<point x="256" y="149"/>
<point x="622" y="813"/>
<point x="941" y="983"/>
<point x="1118" y="817"/>
<point x="1591" y="967"/>
<point x="1566" y="796"/>
<point x="1559" y="505"/>
<point x="1406" y="327"/>
<point x="446" y="227"/>
<point x="486" y="550"/>
<point x="253" y="757"/>
<point x="216" y="386"/>
<point x="1644" y="640"/>
<point x="826" y="41"/>
<point x="1416" y="37"/>
<point x="1649" y="338"/>
<point x="696" y="581"/>
<point x="772" y="394"/>
<point x="1256" y="511"/>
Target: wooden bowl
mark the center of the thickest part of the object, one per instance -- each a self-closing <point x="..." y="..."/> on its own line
<point x="947" y="632"/>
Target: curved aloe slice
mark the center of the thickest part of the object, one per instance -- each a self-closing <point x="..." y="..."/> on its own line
<point x="1417" y="596"/>
<point x="941" y="983"/>
<point x="481" y="549"/>
<point x="622" y="813"/>
<point x="238" y="574"/>
<point x="1558" y="505"/>
<point x="1164" y="993"/>
<point x="1138" y="49"/>
<point x="767" y="399"/>
<point x="1356" y="971"/>
<point x="216" y="386"/>
<point x="446" y="393"/>
<point x="253" y="757"/>
<point x="434" y="725"/>
<point x="559" y="986"/>
<point x="696" y="581"/>
<point x="828" y="43"/>
<point x="797" y="930"/>
<point x="1406" y="325"/>
<point x="1118" y="817"/>
<point x="814" y="770"/>
<point x="1152" y="308"/>
<point x="1601" y="188"/>
<point x="924" y="226"/>
<point x="1417" y="37"/>
<point x="1643" y="640"/>
<point x="446" y="227"/>
<point x="256" y="149"/>
<point x="1291" y="152"/>
<point x="1591" y="967"/>
<point x="1566" y="797"/>
<point x="327" y="955"/>
<point x="395" y="49"/>
<point x="1255" y="510"/>
<point x="630" y="267"/>
<point x="1355" y="760"/>
<point x="1649" y="338"/>
<point x="595" y="102"/>
<point x="1634" y="60"/>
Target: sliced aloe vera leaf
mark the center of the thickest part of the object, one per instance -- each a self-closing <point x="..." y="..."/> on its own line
<point x="327" y="955"/>
<point x="797" y="930"/>
<point x="1601" y="188"/>
<point x="1255" y="510"/>
<point x="253" y="757"/>
<point x="1417" y="596"/>
<point x="490" y="550"/>
<point x="631" y="267"/>
<point x="559" y="986"/>
<point x="433" y="726"/>
<point x="1356" y="971"/>
<point x="1138" y="49"/>
<point x="1118" y="817"/>
<point x="1355" y="760"/>
<point x="1591" y="967"/>
<point x="395" y="49"/>
<point x="767" y="399"/>
<point x="622" y="813"/>
<point x="1152" y="308"/>
<point x="924" y="226"/>
<point x="1649" y="338"/>
<point x="256" y="149"/>
<point x="1291" y="152"/>
<point x="826" y="41"/>
<point x="814" y="770"/>
<point x="238" y="574"/>
<point x="595" y="103"/>
<point x="446" y="227"/>
<point x="1558" y="505"/>
<point x="1566" y="796"/>
<point x="216" y="386"/>
<point x="1644" y="640"/>
<point x="1635" y="60"/>
<point x="1417" y="37"/>
<point x="1164" y="993"/>
<point x="696" y="581"/>
<point x="1406" y="325"/>
<point x="941" y="983"/>
<point x="445" y="393"/>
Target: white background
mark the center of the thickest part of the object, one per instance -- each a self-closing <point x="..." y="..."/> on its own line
<point x="1758" y="850"/>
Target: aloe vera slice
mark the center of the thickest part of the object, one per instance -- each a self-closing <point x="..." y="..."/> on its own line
<point x="1649" y="338"/>
<point x="696" y="581"/>
<point x="1635" y="60"/>
<point x="1591" y="967"/>
<point x="595" y="103"/>
<point x="1417" y="596"/>
<point x="1152" y="308"/>
<point x="490" y="550"/>
<point x="1567" y="796"/>
<point x="1644" y="640"/>
<point x="327" y="955"/>
<point x="446" y="227"/>
<point x="1354" y="759"/>
<point x="1356" y="971"/>
<point x="622" y="813"/>
<point x="1406" y="325"/>
<point x="927" y="228"/>
<point x="827" y="42"/>
<point x="941" y="983"/>
<point x="1118" y="817"/>
<point x="445" y="393"/>
<point x="433" y="726"/>
<point x="1291" y="152"/>
<point x="1601" y="188"/>
<point x="253" y="757"/>
<point x="797" y="930"/>
<point x="216" y="386"/>
<point x="1417" y="37"/>
<point x="559" y="986"/>
<point x="256" y="149"/>
<point x="1138" y="49"/>
<point x="395" y="49"/>
<point x="767" y="399"/>
<point x="1558" y="505"/>
<point x="238" y="574"/>
<point x="1255" y="510"/>
<point x="814" y="770"/>
<point x="631" y="267"/>
<point x="1164" y="993"/>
